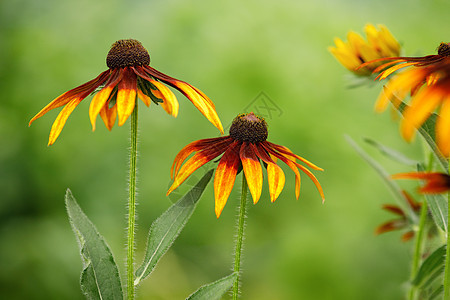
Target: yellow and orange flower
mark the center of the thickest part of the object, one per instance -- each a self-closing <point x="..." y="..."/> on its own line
<point x="129" y="77"/>
<point x="428" y="82"/>
<point x="351" y="54"/>
<point x="244" y="148"/>
<point x="402" y="222"/>
<point x="436" y="183"/>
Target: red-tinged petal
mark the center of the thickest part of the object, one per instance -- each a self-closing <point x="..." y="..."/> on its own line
<point x="102" y="96"/>
<point x="219" y="143"/>
<point x="422" y="105"/>
<point x="394" y="209"/>
<point x="61" y="120"/>
<point x="79" y="92"/>
<point x="285" y="150"/>
<point x="390" y="226"/>
<point x="435" y="182"/>
<point x="195" y="162"/>
<point x="109" y="116"/>
<point x="407" y="236"/>
<point x="225" y="176"/>
<point x="391" y="70"/>
<point x="126" y="95"/>
<point x="252" y="170"/>
<point x="443" y="128"/>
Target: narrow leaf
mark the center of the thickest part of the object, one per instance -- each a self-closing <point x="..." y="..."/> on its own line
<point x="100" y="277"/>
<point x="433" y="263"/>
<point x="214" y="290"/>
<point x="395" y="189"/>
<point x="439" y="209"/>
<point x="437" y="292"/>
<point x="392" y="154"/>
<point x="168" y="226"/>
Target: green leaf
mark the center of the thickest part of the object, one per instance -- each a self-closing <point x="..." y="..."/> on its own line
<point x="427" y="131"/>
<point x="392" y="154"/>
<point x="100" y="276"/>
<point x="214" y="290"/>
<point x="438" y="206"/>
<point x="431" y="267"/>
<point x="395" y="189"/>
<point x="168" y="226"/>
<point x="437" y="292"/>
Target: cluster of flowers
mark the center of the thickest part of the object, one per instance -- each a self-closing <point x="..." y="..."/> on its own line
<point x="130" y="77"/>
<point x="425" y="79"/>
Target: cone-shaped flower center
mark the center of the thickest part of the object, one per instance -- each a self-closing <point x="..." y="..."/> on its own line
<point x="249" y="128"/>
<point x="444" y="49"/>
<point x="127" y="53"/>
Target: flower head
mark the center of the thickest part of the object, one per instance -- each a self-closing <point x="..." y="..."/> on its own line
<point x="427" y="80"/>
<point x="351" y="54"/>
<point x="129" y="76"/>
<point x="435" y="182"/>
<point x="244" y="148"/>
<point x="402" y="222"/>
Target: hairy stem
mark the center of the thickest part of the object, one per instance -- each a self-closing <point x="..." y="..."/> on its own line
<point x="240" y="236"/>
<point x="132" y="205"/>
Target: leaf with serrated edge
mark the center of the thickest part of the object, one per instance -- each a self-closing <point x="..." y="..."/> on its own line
<point x="430" y="265"/>
<point x="168" y="226"/>
<point x="100" y="277"/>
<point x="214" y="290"/>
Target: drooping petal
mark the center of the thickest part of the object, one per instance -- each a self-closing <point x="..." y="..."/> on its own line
<point x="435" y="182"/>
<point x="195" y="162"/>
<point x="225" y="176"/>
<point x="79" y="92"/>
<point x="109" y="116"/>
<point x="252" y="170"/>
<point x="219" y="143"/>
<point x="314" y="179"/>
<point x="422" y="105"/>
<point x="146" y="99"/>
<point x="102" y="96"/>
<point x="275" y="175"/>
<point x="170" y="102"/>
<point x="126" y="95"/>
<point x="286" y="151"/>
<point x="394" y="209"/>
<point x="199" y="99"/>
<point x="390" y="226"/>
<point x="443" y="128"/>
<point x="61" y="120"/>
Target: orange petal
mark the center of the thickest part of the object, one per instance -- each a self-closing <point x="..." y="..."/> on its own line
<point x="225" y="176"/>
<point x="195" y="162"/>
<point x="443" y="128"/>
<point x="126" y="95"/>
<point x="170" y="102"/>
<point x="435" y="182"/>
<point x="419" y="110"/>
<point x="314" y="179"/>
<point x="109" y="116"/>
<point x="285" y="150"/>
<point x="252" y="170"/>
<point x="146" y="99"/>
<point x="79" y="92"/>
<point x="202" y="104"/>
<point x="61" y="120"/>
<point x="102" y="97"/>
<point x="219" y="143"/>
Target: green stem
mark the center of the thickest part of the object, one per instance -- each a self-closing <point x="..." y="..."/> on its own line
<point x="240" y="236"/>
<point x="418" y="247"/>
<point x="132" y="204"/>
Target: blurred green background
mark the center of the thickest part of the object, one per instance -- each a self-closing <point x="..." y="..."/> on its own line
<point x="233" y="51"/>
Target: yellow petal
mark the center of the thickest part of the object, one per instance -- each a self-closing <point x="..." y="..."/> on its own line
<point x="443" y="128"/>
<point x="252" y="170"/>
<point x="61" y="120"/>
<point x="126" y="95"/>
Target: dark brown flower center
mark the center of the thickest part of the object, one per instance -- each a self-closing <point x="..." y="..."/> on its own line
<point x="249" y="128"/>
<point x="127" y="53"/>
<point x="444" y="49"/>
